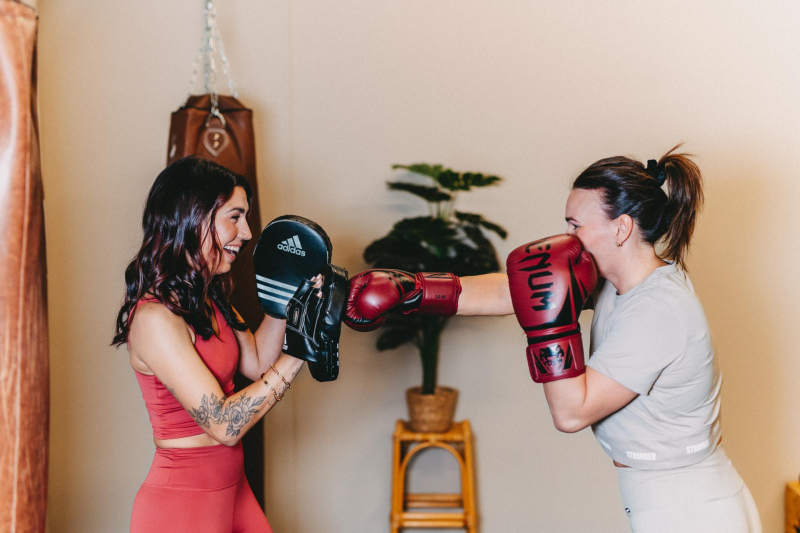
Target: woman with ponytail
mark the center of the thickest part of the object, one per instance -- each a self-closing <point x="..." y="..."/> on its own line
<point x="650" y="389"/>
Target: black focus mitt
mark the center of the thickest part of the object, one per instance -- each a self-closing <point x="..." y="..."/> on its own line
<point x="291" y="249"/>
<point x="313" y="323"/>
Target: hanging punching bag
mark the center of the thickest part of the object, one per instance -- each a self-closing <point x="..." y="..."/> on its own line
<point x="24" y="368"/>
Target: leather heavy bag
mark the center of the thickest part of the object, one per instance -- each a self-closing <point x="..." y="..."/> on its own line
<point x="223" y="135"/>
<point x="24" y="368"/>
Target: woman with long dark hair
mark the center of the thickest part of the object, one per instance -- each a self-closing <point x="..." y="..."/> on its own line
<point x="186" y="341"/>
<point x="651" y="387"/>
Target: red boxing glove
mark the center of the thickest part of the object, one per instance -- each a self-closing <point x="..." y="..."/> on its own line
<point x="373" y="293"/>
<point x="550" y="280"/>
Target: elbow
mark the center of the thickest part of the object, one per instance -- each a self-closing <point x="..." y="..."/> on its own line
<point x="230" y="440"/>
<point x="225" y="440"/>
<point x="569" y="424"/>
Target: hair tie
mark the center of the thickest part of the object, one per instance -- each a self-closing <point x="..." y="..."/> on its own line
<point x="656" y="170"/>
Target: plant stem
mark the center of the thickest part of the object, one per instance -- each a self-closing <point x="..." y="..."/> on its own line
<point x="429" y="351"/>
<point x="451" y="206"/>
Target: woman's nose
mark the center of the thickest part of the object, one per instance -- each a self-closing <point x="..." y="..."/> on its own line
<point x="246" y="235"/>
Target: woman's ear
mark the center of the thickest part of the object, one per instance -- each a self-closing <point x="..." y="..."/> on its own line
<point x="624" y="229"/>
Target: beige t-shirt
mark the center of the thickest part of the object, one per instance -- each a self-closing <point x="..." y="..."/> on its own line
<point x="655" y="341"/>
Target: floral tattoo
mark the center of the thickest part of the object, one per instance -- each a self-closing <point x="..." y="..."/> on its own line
<point x="237" y="413"/>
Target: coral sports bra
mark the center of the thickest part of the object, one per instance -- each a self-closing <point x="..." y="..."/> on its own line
<point x="219" y="353"/>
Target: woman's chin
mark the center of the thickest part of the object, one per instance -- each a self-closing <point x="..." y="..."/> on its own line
<point x="224" y="268"/>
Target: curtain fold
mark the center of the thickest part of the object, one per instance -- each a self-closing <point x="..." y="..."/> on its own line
<point x="24" y="366"/>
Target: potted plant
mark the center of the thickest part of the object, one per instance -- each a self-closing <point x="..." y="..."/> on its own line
<point x="445" y="240"/>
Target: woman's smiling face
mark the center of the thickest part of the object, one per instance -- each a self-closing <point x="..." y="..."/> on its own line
<point x="232" y="232"/>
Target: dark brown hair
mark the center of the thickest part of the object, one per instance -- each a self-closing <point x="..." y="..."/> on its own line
<point x="170" y="265"/>
<point x="631" y="188"/>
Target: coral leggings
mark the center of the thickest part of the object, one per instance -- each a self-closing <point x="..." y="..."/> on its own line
<point x="197" y="490"/>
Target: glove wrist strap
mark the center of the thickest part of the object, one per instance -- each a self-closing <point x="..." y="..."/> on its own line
<point x="440" y="292"/>
<point x="556" y="359"/>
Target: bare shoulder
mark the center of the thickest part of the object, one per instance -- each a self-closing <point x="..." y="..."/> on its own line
<point x="153" y="318"/>
<point x="156" y="331"/>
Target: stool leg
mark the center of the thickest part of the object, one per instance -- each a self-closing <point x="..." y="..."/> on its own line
<point x="469" y="493"/>
<point x="397" y="482"/>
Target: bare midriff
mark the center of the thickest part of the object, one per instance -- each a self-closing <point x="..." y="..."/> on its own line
<point x="195" y="441"/>
<point x="620" y="465"/>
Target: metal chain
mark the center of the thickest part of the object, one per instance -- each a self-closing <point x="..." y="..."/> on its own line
<point x="211" y="43"/>
<point x="196" y="62"/>
<point x="226" y="67"/>
<point x="209" y="63"/>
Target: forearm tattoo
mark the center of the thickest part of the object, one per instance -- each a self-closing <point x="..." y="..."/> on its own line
<point x="237" y="413"/>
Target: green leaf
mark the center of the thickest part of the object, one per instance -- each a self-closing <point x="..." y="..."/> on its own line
<point x="391" y="252"/>
<point x="470" y="218"/>
<point x="478" y="220"/>
<point x="411" y="253"/>
<point x="425" y="244"/>
<point x="394" y="337"/>
<point x="450" y="180"/>
<point x="476" y="179"/>
<point x="421" y="168"/>
<point x="475" y="261"/>
<point x="427" y="229"/>
<point x="429" y="194"/>
<point x="491" y="226"/>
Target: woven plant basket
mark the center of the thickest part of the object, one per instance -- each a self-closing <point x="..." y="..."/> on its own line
<point x="431" y="413"/>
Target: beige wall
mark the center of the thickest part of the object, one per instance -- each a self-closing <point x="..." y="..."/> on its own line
<point x="532" y="91"/>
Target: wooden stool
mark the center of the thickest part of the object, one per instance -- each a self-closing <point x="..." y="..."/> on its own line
<point x="792" y="507"/>
<point x="407" y="443"/>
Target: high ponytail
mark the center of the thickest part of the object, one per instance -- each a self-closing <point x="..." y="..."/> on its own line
<point x="631" y="188"/>
<point x="685" y="185"/>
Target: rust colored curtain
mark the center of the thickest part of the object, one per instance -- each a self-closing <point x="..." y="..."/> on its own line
<point x="24" y="368"/>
